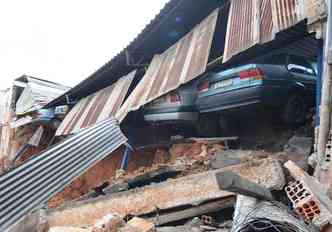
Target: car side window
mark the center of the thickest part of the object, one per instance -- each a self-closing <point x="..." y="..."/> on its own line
<point x="300" y="65"/>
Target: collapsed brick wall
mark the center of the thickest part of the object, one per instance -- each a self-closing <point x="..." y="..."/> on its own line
<point x="102" y="172"/>
<point x="140" y="162"/>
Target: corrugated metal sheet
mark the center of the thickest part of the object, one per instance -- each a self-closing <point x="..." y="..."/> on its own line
<point x="96" y="107"/>
<point x="155" y="37"/>
<point x="33" y="183"/>
<point x="285" y="14"/>
<point x="181" y="63"/>
<point x="36" y="94"/>
<point x="266" y="24"/>
<point x="240" y="28"/>
<point x="257" y="21"/>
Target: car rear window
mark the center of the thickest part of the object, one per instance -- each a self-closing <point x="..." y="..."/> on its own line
<point x="277" y="59"/>
<point x="300" y="65"/>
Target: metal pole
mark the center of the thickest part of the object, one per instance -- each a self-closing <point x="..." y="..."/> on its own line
<point x="329" y="37"/>
<point x="325" y="111"/>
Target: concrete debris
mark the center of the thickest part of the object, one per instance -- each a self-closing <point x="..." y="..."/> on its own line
<point x="198" y="185"/>
<point x="189" y="190"/>
<point x="308" y="197"/>
<point x="69" y="229"/>
<point x="229" y="157"/>
<point x="109" y="223"/>
<point x="141" y="225"/>
<point x="232" y="182"/>
<point x="298" y="150"/>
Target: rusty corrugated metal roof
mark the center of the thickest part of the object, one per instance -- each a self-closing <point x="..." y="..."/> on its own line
<point x="181" y="63"/>
<point x="285" y="13"/>
<point x="240" y="28"/>
<point x="96" y="107"/>
<point x="266" y="24"/>
<point x="257" y="22"/>
<point x="177" y="16"/>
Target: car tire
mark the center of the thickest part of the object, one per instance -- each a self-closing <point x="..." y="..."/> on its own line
<point x="208" y="125"/>
<point x="294" y="112"/>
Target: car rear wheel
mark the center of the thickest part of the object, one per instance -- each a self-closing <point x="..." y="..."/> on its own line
<point x="226" y="125"/>
<point x="208" y="125"/>
<point x="294" y="112"/>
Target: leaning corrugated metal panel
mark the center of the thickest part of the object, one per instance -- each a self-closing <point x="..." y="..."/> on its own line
<point x="96" y="107"/>
<point x="181" y="63"/>
<point x="285" y="11"/>
<point x="258" y="21"/>
<point x="32" y="184"/>
<point x="266" y="21"/>
<point x="241" y="27"/>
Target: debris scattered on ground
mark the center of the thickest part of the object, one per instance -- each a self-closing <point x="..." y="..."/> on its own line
<point x="109" y="223"/>
<point x="199" y="185"/>
<point x="69" y="229"/>
<point x="298" y="149"/>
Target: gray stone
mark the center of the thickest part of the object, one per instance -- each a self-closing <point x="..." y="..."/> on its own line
<point x="229" y="158"/>
<point x="298" y="149"/>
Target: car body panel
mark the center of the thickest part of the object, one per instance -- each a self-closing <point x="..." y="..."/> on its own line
<point x="271" y="90"/>
<point x="164" y="111"/>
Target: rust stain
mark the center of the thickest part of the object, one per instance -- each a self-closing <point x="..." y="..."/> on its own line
<point x="96" y="107"/>
<point x="273" y="17"/>
<point x="179" y="64"/>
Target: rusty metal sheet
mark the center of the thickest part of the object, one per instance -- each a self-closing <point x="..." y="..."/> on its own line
<point x="189" y="190"/>
<point x="36" y="137"/>
<point x="181" y="63"/>
<point x="240" y="28"/>
<point x="96" y="107"/>
<point x="258" y="21"/>
<point x="285" y="14"/>
<point x="266" y="21"/>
